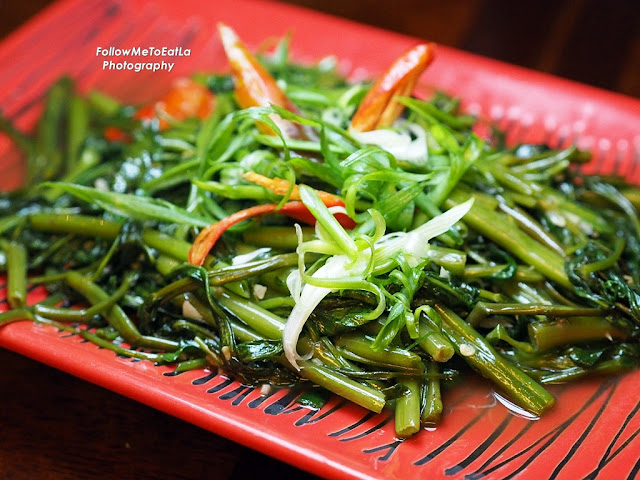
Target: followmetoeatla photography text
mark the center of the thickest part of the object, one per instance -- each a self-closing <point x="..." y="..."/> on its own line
<point x="113" y="58"/>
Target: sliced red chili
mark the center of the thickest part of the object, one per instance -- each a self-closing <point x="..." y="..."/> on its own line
<point x="208" y="237"/>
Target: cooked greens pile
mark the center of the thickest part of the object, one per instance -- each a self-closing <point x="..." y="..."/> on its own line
<point x="383" y="302"/>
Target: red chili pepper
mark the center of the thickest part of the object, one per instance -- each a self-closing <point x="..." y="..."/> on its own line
<point x="114" y="134"/>
<point x="281" y="187"/>
<point x="208" y="237"/>
<point x="254" y="86"/>
<point x="379" y="108"/>
<point x="185" y="99"/>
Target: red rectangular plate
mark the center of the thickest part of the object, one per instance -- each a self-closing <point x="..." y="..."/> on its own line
<point x="593" y="431"/>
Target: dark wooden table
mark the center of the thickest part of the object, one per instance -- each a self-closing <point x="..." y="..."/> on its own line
<point x="54" y="426"/>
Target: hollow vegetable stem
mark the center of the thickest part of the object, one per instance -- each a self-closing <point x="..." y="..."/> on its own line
<point x="481" y="356"/>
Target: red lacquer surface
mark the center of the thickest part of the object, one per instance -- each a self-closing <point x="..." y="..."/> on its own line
<point x="594" y="428"/>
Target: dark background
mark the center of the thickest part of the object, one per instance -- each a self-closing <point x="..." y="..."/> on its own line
<point x="49" y="420"/>
<point x="591" y="41"/>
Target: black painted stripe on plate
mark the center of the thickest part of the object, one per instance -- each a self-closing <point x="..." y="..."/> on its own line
<point x="282" y="403"/>
<point x="315" y="416"/>
<point x="478" y="473"/>
<point x="608" y="455"/>
<point x="371" y="430"/>
<point x="554" y="433"/>
<point x="480" y="449"/>
<point x="368" y="416"/>
<point x="389" y="447"/>
<point x="434" y="453"/>
<point x="256" y="402"/>
<point x="634" y="471"/>
<point x="205" y="379"/>
<point x="574" y="448"/>
<point x="232" y="393"/>
<point x="216" y="388"/>
<point x="242" y="396"/>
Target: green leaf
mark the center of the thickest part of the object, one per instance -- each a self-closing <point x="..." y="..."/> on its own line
<point x="259" y="350"/>
<point x="132" y="206"/>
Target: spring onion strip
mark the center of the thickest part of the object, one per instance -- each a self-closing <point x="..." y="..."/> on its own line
<point x="347" y="270"/>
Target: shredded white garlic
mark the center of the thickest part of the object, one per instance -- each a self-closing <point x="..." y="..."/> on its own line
<point x="467" y="350"/>
<point x="407" y="143"/>
<point x="189" y="311"/>
<point x="266" y="389"/>
<point x="226" y="352"/>
<point x="259" y="291"/>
